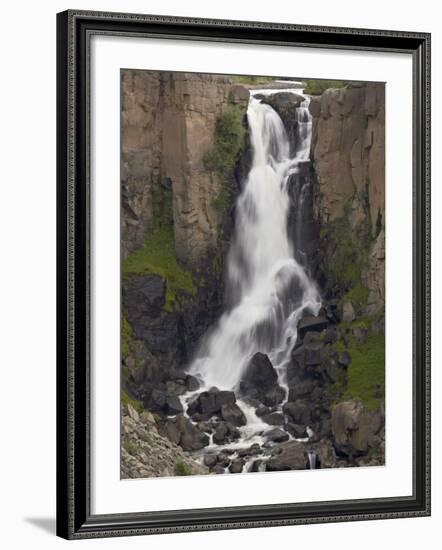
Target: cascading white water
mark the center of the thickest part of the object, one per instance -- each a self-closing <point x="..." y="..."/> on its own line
<point x="269" y="289"/>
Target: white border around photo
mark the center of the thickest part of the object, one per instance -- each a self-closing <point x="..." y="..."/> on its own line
<point x="109" y="493"/>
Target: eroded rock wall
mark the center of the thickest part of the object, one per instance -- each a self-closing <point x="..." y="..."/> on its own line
<point x="168" y="124"/>
<point x="348" y="153"/>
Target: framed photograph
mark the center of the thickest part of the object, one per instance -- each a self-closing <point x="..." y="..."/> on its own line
<point x="243" y="274"/>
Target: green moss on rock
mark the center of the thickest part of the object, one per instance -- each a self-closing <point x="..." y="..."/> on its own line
<point x="127" y="400"/>
<point x="366" y="373"/>
<point x="229" y="141"/>
<point x="317" y="87"/>
<point x="157" y="257"/>
<point x="183" y="469"/>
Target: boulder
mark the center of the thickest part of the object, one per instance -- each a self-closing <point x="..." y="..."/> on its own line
<point x="221" y="434"/>
<point x="273" y="419"/>
<point x="296" y="430"/>
<point x="210" y="460"/>
<point x="326" y="456"/>
<point x="298" y="411"/>
<point x="348" y="312"/>
<point x="302" y="389"/>
<point x="353" y="427"/>
<point x="173" y="405"/>
<point x="274" y="396"/>
<point x="277" y="435"/>
<point x="230" y="412"/>
<point x="191" y="439"/>
<point x="192" y="383"/>
<point x="210" y="402"/>
<point x="262" y="410"/>
<point x="239" y="94"/>
<point x="260" y="372"/>
<point x="236" y="466"/>
<point x="312" y="323"/>
<point x="217" y="469"/>
<point x="287" y="456"/>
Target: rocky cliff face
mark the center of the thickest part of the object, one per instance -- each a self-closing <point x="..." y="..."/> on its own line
<point x="168" y="125"/>
<point x="348" y="145"/>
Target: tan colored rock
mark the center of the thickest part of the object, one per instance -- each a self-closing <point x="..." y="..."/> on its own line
<point x="348" y="152"/>
<point x="168" y="124"/>
<point x="348" y="312"/>
<point x="354" y="426"/>
<point x="348" y="146"/>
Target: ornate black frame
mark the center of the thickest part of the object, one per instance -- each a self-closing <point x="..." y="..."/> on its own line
<point x="74" y="29"/>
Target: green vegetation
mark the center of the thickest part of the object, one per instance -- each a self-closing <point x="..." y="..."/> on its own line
<point x="130" y="447"/>
<point x="317" y="87"/>
<point x="248" y="80"/>
<point x="157" y="257"/>
<point x="366" y="373"/>
<point x="126" y="337"/>
<point x="228" y="143"/>
<point x="358" y="296"/>
<point x="349" y="259"/>
<point x="182" y="469"/>
<point x="127" y="400"/>
<point x="229" y="140"/>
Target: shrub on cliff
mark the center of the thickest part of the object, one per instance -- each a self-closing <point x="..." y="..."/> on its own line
<point x="229" y="140"/>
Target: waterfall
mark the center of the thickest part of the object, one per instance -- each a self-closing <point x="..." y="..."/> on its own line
<point x="269" y="289"/>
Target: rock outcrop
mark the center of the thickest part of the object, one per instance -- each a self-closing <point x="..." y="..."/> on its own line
<point x="146" y="453"/>
<point x="168" y="123"/>
<point x="348" y="154"/>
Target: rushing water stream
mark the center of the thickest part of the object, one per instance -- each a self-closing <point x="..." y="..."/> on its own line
<point x="268" y="289"/>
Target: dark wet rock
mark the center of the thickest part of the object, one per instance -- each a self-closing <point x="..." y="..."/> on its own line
<point x="217" y="469"/>
<point x="236" y="466"/>
<point x="257" y="466"/>
<point x="312" y="323"/>
<point x="274" y="419"/>
<point x="191" y="438"/>
<point x="313" y="341"/>
<point x="260" y="373"/>
<point x="296" y="430"/>
<point x="254" y="449"/>
<point x="192" y="383"/>
<point x="156" y="401"/>
<point x="182" y="432"/>
<point x="286" y="105"/>
<point x="171" y="430"/>
<point x="221" y="434"/>
<point x="175" y="387"/>
<point x="331" y="335"/>
<point x="333" y="370"/>
<point x="274" y="396"/>
<point x="177" y="375"/>
<point x="234" y="433"/>
<point x="210" y="460"/>
<point x="312" y="357"/>
<point x="199" y="417"/>
<point x="298" y="411"/>
<point x="302" y="389"/>
<point x="287" y="456"/>
<point x="230" y="412"/>
<point x="173" y="405"/>
<point x="223" y="459"/>
<point x="276" y="435"/>
<point x="263" y="410"/>
<point x="210" y="402"/>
